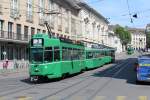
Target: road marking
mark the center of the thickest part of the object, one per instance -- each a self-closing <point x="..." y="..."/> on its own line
<point x="1" y="98"/>
<point x="99" y="98"/>
<point x="24" y="98"/>
<point x="53" y="98"/>
<point x="77" y="98"/>
<point x="121" y="97"/>
<point x="143" y="98"/>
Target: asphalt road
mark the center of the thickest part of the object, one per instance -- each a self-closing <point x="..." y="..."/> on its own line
<point x="110" y="82"/>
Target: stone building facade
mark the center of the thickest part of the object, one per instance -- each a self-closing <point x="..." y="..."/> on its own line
<point x="138" y="36"/>
<point x="94" y="25"/>
<point x="19" y="19"/>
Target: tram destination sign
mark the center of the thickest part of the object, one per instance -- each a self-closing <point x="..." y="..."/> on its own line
<point x="37" y="42"/>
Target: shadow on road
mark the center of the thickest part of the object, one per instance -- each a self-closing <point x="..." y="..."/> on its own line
<point x="127" y="73"/>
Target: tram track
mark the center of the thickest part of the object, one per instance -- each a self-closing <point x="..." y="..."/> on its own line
<point x="77" y="83"/>
<point x="18" y="90"/>
<point x="86" y="74"/>
<point x="109" y="80"/>
<point x="95" y="80"/>
<point x="37" y="85"/>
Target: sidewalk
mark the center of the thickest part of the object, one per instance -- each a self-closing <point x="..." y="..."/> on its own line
<point x="12" y="71"/>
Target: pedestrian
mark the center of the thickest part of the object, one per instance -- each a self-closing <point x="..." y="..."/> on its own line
<point x="5" y="64"/>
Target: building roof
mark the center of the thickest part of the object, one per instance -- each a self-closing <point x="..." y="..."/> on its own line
<point x="71" y="3"/>
<point x="74" y="4"/>
<point x="137" y="30"/>
<point x="148" y="25"/>
<point x="83" y="4"/>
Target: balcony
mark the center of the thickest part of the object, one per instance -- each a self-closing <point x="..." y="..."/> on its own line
<point x="14" y="37"/>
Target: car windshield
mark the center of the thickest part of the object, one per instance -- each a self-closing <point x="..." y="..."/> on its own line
<point x="36" y="55"/>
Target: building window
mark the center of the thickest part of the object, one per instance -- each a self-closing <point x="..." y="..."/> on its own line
<point x="1" y="25"/>
<point x="0" y="8"/>
<point x="66" y="21"/>
<point x="18" y="31"/>
<point x="32" y="31"/>
<point x="10" y="30"/>
<point x="52" y="17"/>
<point x="60" y="19"/>
<point x="73" y="27"/>
<point x="30" y="11"/>
<point x="14" y="9"/>
<point x="1" y="28"/>
<point x="38" y="30"/>
<point x="2" y="50"/>
<point x="44" y="31"/>
<point x="9" y="50"/>
<point x="93" y="28"/>
<point x="41" y="12"/>
<point x="25" y="32"/>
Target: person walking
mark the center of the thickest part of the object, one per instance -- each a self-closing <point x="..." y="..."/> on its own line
<point x="5" y="64"/>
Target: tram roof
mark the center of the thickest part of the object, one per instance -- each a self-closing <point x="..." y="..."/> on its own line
<point x="94" y="49"/>
<point x="53" y="41"/>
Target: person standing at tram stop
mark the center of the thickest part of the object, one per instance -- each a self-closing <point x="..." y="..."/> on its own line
<point x="5" y="64"/>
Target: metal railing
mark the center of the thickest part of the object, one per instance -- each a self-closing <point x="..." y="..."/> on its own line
<point x="14" y="36"/>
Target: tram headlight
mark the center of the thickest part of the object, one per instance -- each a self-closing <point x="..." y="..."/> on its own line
<point x="45" y="67"/>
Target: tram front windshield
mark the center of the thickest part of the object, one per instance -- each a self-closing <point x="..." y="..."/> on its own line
<point x="36" y="55"/>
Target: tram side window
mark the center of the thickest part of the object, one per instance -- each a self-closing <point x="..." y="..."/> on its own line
<point x="103" y="53"/>
<point x="69" y="53"/>
<point x="97" y="54"/>
<point x="73" y="54"/>
<point x="100" y="54"/>
<point x="112" y="53"/>
<point x="56" y="54"/>
<point x="109" y="53"/>
<point x="89" y="55"/>
<point x="65" y="55"/>
<point x="81" y="54"/>
<point x="48" y="54"/>
<point x="76" y="54"/>
<point x="106" y="53"/>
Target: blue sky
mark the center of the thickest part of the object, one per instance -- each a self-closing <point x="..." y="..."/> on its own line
<point x="117" y="11"/>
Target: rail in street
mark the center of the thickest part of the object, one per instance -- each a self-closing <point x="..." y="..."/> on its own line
<point x="110" y="82"/>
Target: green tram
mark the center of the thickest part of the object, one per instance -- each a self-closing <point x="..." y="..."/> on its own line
<point x="55" y="58"/>
<point x="130" y="50"/>
<point x="98" y="57"/>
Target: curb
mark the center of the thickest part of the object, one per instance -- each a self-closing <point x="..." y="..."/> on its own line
<point x="13" y="72"/>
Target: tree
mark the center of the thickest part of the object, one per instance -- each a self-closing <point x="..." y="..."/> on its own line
<point x="123" y="34"/>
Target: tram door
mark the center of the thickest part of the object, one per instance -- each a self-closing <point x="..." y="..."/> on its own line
<point x="75" y="60"/>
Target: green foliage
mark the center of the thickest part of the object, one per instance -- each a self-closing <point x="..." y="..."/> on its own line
<point x="123" y="34"/>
